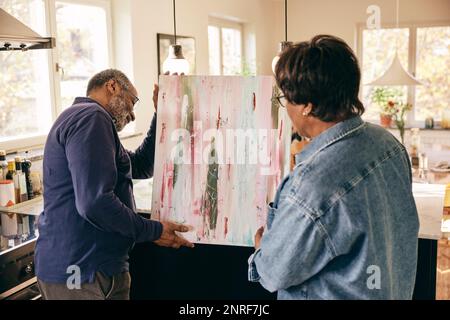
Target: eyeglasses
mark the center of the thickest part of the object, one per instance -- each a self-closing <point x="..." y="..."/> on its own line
<point x="135" y="99"/>
<point x="281" y="100"/>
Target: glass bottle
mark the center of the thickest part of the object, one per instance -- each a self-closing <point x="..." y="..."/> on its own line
<point x="3" y="165"/>
<point x="20" y="183"/>
<point x="26" y="166"/>
<point x="445" y="121"/>
<point x="415" y="146"/>
<point x="11" y="170"/>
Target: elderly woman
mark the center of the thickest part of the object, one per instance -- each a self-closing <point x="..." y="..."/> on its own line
<point x="343" y="224"/>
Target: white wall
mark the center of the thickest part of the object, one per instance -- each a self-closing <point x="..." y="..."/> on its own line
<point x="136" y="23"/>
<point x="307" y="18"/>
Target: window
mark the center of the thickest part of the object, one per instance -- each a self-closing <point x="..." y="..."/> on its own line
<point x="32" y="90"/>
<point x="433" y="65"/>
<point x="423" y="51"/>
<point x="225" y="47"/>
<point x="25" y="106"/>
<point x="82" y="42"/>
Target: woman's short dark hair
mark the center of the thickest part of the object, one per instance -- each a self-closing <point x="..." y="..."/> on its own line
<point x="323" y="72"/>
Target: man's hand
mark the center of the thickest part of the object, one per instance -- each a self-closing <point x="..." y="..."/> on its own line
<point x="169" y="238"/>
<point x="258" y="236"/>
<point x="155" y="96"/>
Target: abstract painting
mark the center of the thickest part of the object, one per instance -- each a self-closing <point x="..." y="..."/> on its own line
<point x="222" y="147"/>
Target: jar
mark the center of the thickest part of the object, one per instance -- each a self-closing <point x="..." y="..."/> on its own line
<point x="445" y="121"/>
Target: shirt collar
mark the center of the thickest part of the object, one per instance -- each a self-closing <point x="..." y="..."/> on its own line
<point x="328" y="137"/>
<point x="86" y="100"/>
<point x="79" y="100"/>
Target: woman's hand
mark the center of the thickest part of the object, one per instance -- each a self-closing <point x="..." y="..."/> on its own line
<point x="258" y="236"/>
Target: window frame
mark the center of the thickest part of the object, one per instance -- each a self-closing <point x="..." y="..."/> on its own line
<point x="411" y="122"/>
<point x="38" y="141"/>
<point x="221" y="23"/>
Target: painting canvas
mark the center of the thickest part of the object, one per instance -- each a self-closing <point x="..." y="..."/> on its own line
<point x="222" y="147"/>
<point x="188" y="44"/>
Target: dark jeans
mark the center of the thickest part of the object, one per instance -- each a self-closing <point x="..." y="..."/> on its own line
<point x="103" y="288"/>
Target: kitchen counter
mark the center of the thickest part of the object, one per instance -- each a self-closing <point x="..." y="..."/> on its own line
<point x="429" y="192"/>
<point x="429" y="201"/>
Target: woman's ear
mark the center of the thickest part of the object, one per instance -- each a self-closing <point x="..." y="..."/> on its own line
<point x="307" y="109"/>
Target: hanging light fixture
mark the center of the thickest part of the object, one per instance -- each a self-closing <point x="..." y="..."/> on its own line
<point x="396" y="75"/>
<point x="283" y="44"/>
<point x="175" y="62"/>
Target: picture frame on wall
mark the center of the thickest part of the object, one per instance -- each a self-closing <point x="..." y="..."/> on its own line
<point x="164" y="41"/>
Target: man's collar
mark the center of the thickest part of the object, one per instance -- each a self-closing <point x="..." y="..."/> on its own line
<point x="79" y="100"/>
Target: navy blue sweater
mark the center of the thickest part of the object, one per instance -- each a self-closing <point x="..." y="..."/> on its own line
<point x="89" y="218"/>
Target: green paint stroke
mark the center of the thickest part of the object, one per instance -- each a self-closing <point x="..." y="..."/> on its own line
<point x="275" y="106"/>
<point x="188" y="89"/>
<point x="211" y="187"/>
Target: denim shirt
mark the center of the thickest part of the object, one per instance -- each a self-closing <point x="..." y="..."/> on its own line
<point x="343" y="224"/>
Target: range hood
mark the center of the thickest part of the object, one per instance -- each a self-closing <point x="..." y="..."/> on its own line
<point x="14" y="35"/>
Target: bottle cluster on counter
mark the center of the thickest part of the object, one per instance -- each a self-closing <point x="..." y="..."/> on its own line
<point x="16" y="186"/>
<point x="16" y="229"/>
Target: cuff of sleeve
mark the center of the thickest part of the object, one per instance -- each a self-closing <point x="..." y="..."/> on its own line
<point x="152" y="231"/>
<point x="253" y="274"/>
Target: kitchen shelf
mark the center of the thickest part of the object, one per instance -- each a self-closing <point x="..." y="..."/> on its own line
<point x="30" y="207"/>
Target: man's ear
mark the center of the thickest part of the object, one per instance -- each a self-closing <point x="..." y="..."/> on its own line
<point x="111" y="87"/>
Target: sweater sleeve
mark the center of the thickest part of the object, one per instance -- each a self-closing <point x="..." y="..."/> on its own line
<point x="91" y="154"/>
<point x="142" y="160"/>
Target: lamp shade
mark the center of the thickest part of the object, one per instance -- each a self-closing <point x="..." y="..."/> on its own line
<point x="175" y="62"/>
<point x="395" y="75"/>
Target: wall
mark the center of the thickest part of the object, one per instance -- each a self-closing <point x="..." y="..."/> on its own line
<point x="136" y="23"/>
<point x="307" y="18"/>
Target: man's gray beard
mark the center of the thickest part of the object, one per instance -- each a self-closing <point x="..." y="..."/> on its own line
<point x="117" y="108"/>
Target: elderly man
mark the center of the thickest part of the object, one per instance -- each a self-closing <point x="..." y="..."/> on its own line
<point x="89" y="221"/>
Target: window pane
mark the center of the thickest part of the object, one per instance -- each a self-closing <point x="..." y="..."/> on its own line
<point x="25" y="105"/>
<point x="232" y="51"/>
<point x="433" y="65"/>
<point x="378" y="52"/>
<point x="214" y="50"/>
<point x="82" y="46"/>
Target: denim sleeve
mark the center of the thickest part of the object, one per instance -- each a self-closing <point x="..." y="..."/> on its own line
<point x="91" y="154"/>
<point x="294" y="249"/>
<point x="142" y="160"/>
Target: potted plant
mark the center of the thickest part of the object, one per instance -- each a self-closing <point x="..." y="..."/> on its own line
<point x="386" y="114"/>
<point x="383" y="97"/>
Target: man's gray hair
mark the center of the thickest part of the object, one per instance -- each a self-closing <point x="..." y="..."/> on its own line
<point x="104" y="76"/>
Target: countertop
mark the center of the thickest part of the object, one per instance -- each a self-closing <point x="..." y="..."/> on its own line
<point x="429" y="201"/>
